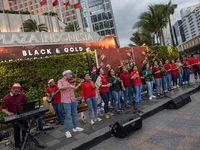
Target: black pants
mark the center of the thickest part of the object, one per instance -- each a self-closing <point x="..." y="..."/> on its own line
<point x="17" y="132"/>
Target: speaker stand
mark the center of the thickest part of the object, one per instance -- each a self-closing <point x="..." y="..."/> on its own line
<point x="134" y="110"/>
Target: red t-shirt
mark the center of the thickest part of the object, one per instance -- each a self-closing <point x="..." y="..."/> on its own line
<point x="196" y="60"/>
<point x="104" y="82"/>
<point x="87" y="90"/>
<point x="125" y="77"/>
<point x="50" y="89"/>
<point x="137" y="81"/>
<point x="185" y="64"/>
<point x="174" y="72"/>
<point x="155" y="69"/>
<point x="167" y="66"/>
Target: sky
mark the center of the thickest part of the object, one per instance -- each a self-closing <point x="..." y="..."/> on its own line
<point x="126" y="13"/>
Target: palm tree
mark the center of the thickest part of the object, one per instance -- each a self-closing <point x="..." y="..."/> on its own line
<point x="31" y="26"/>
<point x="141" y="37"/>
<point x="153" y="20"/>
<point x="70" y="27"/>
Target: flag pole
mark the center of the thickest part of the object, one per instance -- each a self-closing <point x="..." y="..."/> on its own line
<point x="20" y="15"/>
<point x="36" y="18"/>
<point x="6" y="23"/>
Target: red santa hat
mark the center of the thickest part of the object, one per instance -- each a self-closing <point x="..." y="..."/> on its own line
<point x="16" y="86"/>
<point x="66" y="71"/>
<point x="120" y="65"/>
<point x="49" y="81"/>
<point x="94" y="69"/>
<point x="108" y="66"/>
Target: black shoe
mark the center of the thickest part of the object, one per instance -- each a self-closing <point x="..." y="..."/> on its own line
<point x="62" y="122"/>
<point x="117" y="112"/>
<point x="141" y="101"/>
<point x="59" y="122"/>
<point x="127" y="107"/>
<point x="130" y="104"/>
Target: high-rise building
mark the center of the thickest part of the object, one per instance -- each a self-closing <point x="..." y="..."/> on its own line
<point x="190" y="17"/>
<point x="65" y="13"/>
<point x="178" y="33"/>
<point x="97" y="16"/>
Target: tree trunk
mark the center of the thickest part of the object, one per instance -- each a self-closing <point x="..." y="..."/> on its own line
<point x="160" y="39"/>
<point x="170" y="28"/>
<point x="163" y="39"/>
<point x="157" y="38"/>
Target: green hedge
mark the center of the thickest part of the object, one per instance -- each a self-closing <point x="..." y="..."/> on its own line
<point x="15" y="12"/>
<point x="33" y="74"/>
<point x="158" y="52"/>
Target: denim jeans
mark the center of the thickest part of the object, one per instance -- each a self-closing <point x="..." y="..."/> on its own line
<point x="196" y="71"/>
<point x="92" y="102"/>
<point x="180" y="74"/>
<point x="186" y="75"/>
<point x="41" y="121"/>
<point x="164" y="83"/>
<point x="117" y="96"/>
<point x="169" y="76"/>
<point x="138" y="90"/>
<point x="149" y="87"/>
<point x="128" y="93"/>
<point x="174" y="80"/>
<point x="111" y="98"/>
<point x="58" y="110"/>
<point x="70" y="108"/>
<point x="158" y="85"/>
<point x="105" y="97"/>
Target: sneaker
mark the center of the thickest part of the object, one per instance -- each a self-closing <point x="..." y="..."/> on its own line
<point x="68" y="134"/>
<point x="107" y="116"/>
<point x="121" y="109"/>
<point x="77" y="129"/>
<point x="111" y="114"/>
<point x="141" y="101"/>
<point x="100" y="109"/>
<point x="153" y="96"/>
<point x="186" y="82"/>
<point x="150" y="98"/>
<point x="46" y="127"/>
<point x="97" y="119"/>
<point x="112" y="106"/>
<point x="190" y="81"/>
<point x="166" y="91"/>
<point x="82" y="116"/>
<point x="178" y="86"/>
<point x="91" y="122"/>
<point x="174" y="87"/>
<point x="130" y="104"/>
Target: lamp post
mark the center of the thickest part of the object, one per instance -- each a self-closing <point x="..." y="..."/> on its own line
<point x="89" y="59"/>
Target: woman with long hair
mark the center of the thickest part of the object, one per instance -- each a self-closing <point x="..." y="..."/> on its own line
<point x="163" y="75"/>
<point x="174" y="74"/>
<point x="186" y="70"/>
<point x="103" y="87"/>
<point x="157" y="77"/>
<point x="89" y="96"/>
<point x="149" y="79"/>
<point x="180" y="71"/>
<point x="115" y="89"/>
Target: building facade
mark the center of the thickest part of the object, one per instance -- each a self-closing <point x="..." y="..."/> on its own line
<point x="97" y="16"/>
<point x="178" y="33"/>
<point x="190" y="17"/>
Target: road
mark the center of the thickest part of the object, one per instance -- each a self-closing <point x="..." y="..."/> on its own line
<point x="169" y="129"/>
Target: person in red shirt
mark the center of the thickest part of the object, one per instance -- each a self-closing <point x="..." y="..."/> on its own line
<point x="126" y="79"/>
<point x="168" y="67"/>
<point x="186" y="70"/>
<point x="137" y="83"/>
<point x="157" y="77"/>
<point x="195" y="64"/>
<point x="174" y="73"/>
<point x="104" y="91"/>
<point x="56" y="103"/>
<point x="89" y="96"/>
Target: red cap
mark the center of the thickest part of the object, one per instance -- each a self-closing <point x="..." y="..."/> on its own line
<point x="49" y="81"/>
<point x="120" y="65"/>
<point x="108" y="66"/>
<point x="16" y="86"/>
<point x="94" y="69"/>
<point x="66" y="71"/>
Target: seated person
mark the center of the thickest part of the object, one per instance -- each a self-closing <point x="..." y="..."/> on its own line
<point x="11" y="101"/>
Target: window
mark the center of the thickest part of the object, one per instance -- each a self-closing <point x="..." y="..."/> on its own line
<point x="111" y="23"/>
<point x="102" y="33"/>
<point x="55" y="11"/>
<point x="43" y="9"/>
<point x="113" y="31"/>
<point x="66" y="7"/>
<point x="16" y="7"/>
<point x="37" y="6"/>
<point x="11" y="4"/>
<point x="60" y="9"/>
<point x="106" y="24"/>
<point x="12" y="8"/>
<point x="20" y="1"/>
<point x="71" y="6"/>
<point x="96" y="26"/>
<point x="49" y="7"/>
<point x="196" y="40"/>
<point x="48" y="2"/>
<point x="74" y="17"/>
<point x="21" y="6"/>
<point x="61" y="15"/>
<point x="27" y="9"/>
<point x="108" y="32"/>
<point x="31" y="7"/>
<point x="73" y="11"/>
<point x="31" y="2"/>
<point x="67" y="13"/>
<point x="36" y="1"/>
<point x="68" y="18"/>
<point x="101" y="25"/>
<point x="99" y="17"/>
<point x="22" y="10"/>
<point x="192" y="42"/>
<point x="109" y="15"/>
<point x="94" y="18"/>
<point x="26" y="4"/>
<point x="38" y="11"/>
<point x="32" y="12"/>
<point x="75" y="22"/>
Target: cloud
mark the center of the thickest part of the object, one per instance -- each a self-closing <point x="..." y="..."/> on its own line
<point x="126" y="13"/>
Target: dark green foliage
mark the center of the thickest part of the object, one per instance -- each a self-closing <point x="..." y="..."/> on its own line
<point x="33" y="74"/>
<point x="15" y="12"/>
<point x="50" y="13"/>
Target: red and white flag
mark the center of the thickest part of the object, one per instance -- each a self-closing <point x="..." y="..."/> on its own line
<point x="67" y="3"/>
<point x="55" y="3"/>
<point x="77" y="5"/>
<point x="43" y="2"/>
<point x="12" y="0"/>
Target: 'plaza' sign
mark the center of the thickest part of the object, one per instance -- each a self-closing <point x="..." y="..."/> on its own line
<point x="40" y="38"/>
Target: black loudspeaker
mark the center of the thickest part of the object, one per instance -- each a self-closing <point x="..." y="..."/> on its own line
<point x="175" y="103"/>
<point x="186" y="98"/>
<point x="121" y="128"/>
